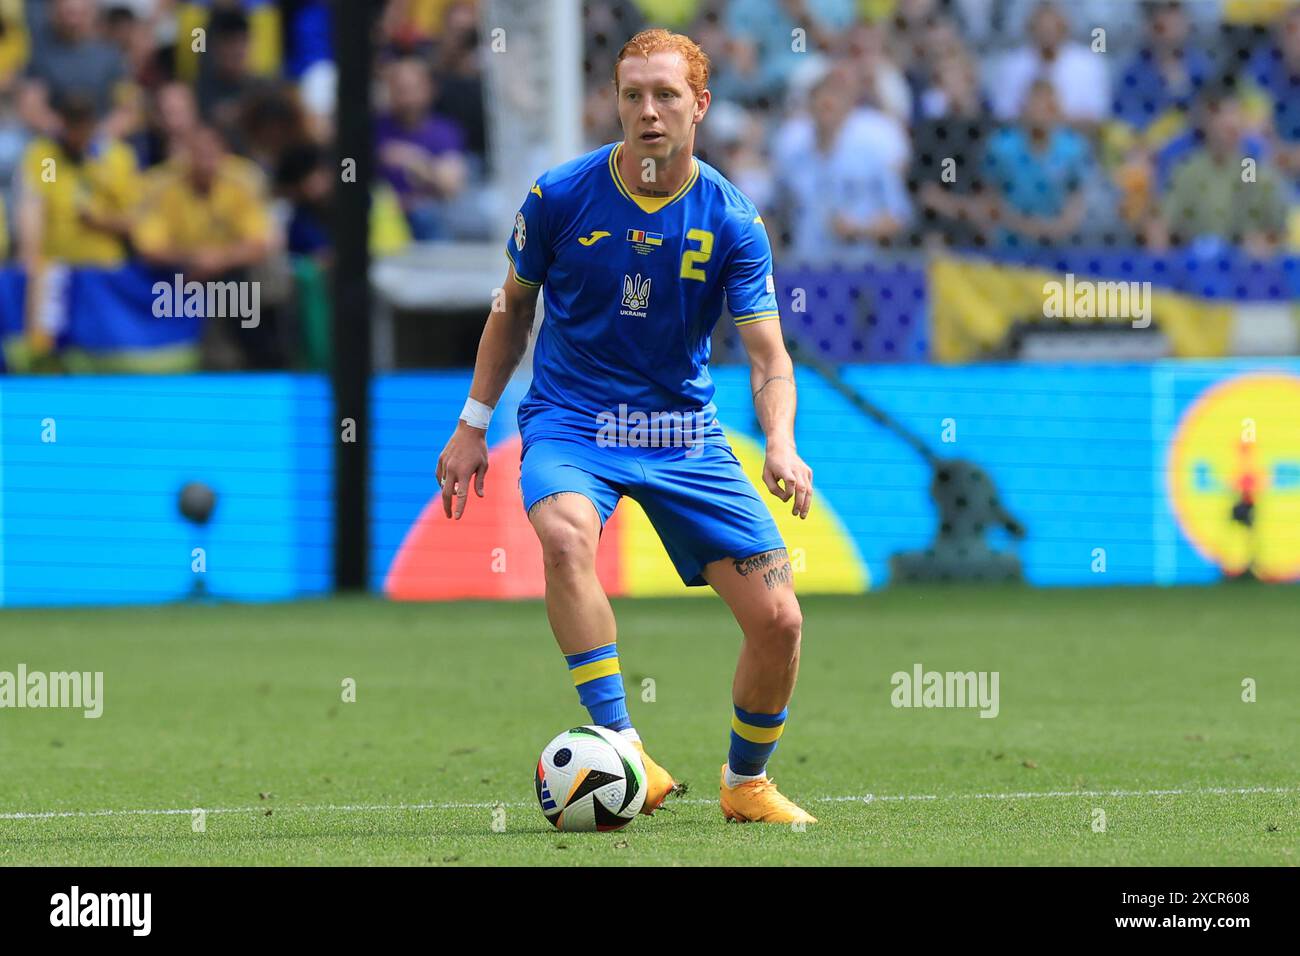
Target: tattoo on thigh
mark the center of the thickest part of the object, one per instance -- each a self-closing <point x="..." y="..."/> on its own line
<point x="549" y="498"/>
<point x="773" y="565"/>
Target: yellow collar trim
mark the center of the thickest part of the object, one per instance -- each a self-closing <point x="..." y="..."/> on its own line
<point x="650" y="203"/>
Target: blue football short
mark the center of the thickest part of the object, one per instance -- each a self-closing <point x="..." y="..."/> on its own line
<point x="701" y="504"/>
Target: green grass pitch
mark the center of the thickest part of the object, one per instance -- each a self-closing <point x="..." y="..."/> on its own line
<point x="1123" y="700"/>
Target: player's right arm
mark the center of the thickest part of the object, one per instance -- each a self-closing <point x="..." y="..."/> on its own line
<point x="500" y="349"/>
<point x="505" y="338"/>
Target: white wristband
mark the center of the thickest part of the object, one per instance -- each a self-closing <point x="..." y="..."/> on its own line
<point x="476" y="414"/>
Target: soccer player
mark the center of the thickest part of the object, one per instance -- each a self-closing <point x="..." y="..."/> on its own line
<point x="635" y="247"/>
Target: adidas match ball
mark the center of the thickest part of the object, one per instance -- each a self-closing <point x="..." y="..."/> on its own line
<point x="590" y="779"/>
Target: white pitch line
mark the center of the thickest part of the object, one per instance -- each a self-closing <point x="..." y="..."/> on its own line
<point x="867" y="798"/>
<point x="1032" y="794"/>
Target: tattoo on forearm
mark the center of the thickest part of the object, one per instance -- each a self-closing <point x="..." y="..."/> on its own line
<point x="774" y="566"/>
<point x="771" y="379"/>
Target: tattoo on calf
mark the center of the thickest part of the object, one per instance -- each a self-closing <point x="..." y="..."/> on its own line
<point x="774" y="566"/>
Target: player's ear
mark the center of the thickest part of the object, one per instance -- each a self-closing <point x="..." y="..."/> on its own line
<point x="702" y="104"/>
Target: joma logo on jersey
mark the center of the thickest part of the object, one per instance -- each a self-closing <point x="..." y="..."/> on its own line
<point x="636" y="296"/>
<point x="592" y="239"/>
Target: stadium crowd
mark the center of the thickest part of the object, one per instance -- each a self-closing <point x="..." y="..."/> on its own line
<point x="861" y="129"/>
<point x="862" y="125"/>
<point x="198" y="137"/>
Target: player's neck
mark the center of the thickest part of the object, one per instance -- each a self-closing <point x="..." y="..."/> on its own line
<point x="654" y="179"/>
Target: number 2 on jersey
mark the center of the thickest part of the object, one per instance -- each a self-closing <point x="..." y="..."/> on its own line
<point x="692" y="259"/>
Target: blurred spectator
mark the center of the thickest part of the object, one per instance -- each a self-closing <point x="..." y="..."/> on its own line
<point x="175" y="115"/>
<point x="733" y="65"/>
<point x="304" y="177"/>
<point x="607" y="25"/>
<point x="1076" y="74"/>
<point x="922" y="34"/>
<point x="225" y="77"/>
<point x="1254" y="12"/>
<point x="774" y="36"/>
<point x="14" y="137"/>
<point x="600" y="123"/>
<point x="996" y="24"/>
<point x="1275" y="69"/>
<point x="412" y="25"/>
<point x="206" y="213"/>
<point x="71" y="58"/>
<point x="942" y="39"/>
<point x="1159" y="84"/>
<point x="879" y="80"/>
<point x="732" y="140"/>
<point x="1036" y="171"/>
<point x="133" y="37"/>
<point x="206" y="216"/>
<point x="311" y="62"/>
<point x="1214" y="196"/>
<point x="947" y="143"/>
<point x="14" y="41"/>
<point x="888" y="135"/>
<point x="308" y="36"/>
<point x="421" y="155"/>
<point x="76" y="192"/>
<point x="459" y="77"/>
<point x="843" y="197"/>
<point x="1155" y="94"/>
<point x="73" y="197"/>
<point x="262" y="18"/>
<point x="909" y="25"/>
<point x="271" y="119"/>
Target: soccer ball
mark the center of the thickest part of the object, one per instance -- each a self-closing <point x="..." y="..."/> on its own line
<point x="590" y="779"/>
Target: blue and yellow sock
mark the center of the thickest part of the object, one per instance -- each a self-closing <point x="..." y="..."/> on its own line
<point x="753" y="738"/>
<point x="600" y="686"/>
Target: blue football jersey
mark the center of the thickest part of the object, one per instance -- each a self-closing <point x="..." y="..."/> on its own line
<point x="633" y="287"/>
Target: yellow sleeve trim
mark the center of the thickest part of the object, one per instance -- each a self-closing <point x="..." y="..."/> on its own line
<point x="518" y="278"/>
<point x="757" y="317"/>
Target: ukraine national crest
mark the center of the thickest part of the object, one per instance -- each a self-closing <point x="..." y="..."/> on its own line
<point x="636" y="295"/>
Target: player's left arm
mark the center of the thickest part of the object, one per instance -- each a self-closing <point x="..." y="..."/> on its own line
<point x="751" y="299"/>
<point x="771" y="379"/>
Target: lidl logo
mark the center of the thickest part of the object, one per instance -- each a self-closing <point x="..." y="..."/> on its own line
<point x="1234" y="475"/>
